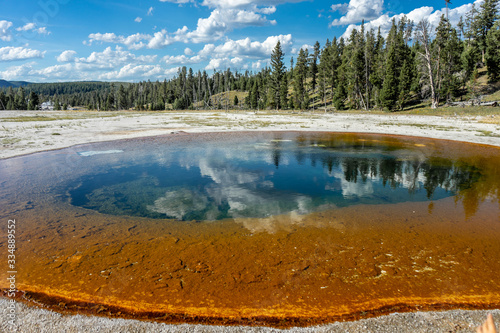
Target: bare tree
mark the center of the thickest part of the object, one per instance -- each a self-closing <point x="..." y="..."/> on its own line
<point x="423" y="36"/>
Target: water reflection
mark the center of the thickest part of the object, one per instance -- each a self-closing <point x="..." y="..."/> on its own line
<point x="276" y="176"/>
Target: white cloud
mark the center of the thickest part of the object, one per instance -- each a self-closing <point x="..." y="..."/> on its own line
<point x="160" y="39"/>
<point x="248" y="49"/>
<point x="18" y="72"/>
<point x="433" y="16"/>
<point x="110" y="58"/>
<point x="131" y="71"/>
<point x="56" y="72"/>
<point x="223" y="63"/>
<point x="150" y="11"/>
<point x="5" y="34"/>
<point x="228" y="15"/>
<point x="138" y="19"/>
<point x="133" y="42"/>
<point x="233" y="53"/>
<point x="188" y="51"/>
<point x="258" y="64"/>
<point x="183" y="60"/>
<point x="27" y="27"/>
<point x="309" y="48"/>
<point x="33" y="27"/>
<point x="67" y="56"/>
<point x="358" y="10"/>
<point x="43" y="31"/>
<point x="225" y="17"/>
<point x="222" y="21"/>
<point x="236" y="53"/>
<point x="11" y="53"/>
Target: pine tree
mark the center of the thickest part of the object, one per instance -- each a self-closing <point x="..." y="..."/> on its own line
<point x="20" y="99"/>
<point x="254" y="99"/>
<point x="336" y="53"/>
<point x="277" y="74"/>
<point x="493" y="53"/>
<point x="405" y="82"/>
<point x="300" y="75"/>
<point x="389" y="93"/>
<point x="488" y="14"/>
<point x="370" y="49"/>
<point x="340" y="90"/>
<point x="3" y="100"/>
<point x="377" y="76"/>
<point x="33" y="101"/>
<point x="323" y="71"/>
<point x="284" y="92"/>
<point x="314" y="66"/>
<point x="122" y="103"/>
<point x="355" y="52"/>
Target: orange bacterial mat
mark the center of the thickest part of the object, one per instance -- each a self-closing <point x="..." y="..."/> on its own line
<point x="330" y="264"/>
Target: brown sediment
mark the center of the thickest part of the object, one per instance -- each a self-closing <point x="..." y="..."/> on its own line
<point x="335" y="265"/>
<point x="291" y="270"/>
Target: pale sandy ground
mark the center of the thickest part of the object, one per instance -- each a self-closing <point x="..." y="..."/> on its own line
<point x="19" y="138"/>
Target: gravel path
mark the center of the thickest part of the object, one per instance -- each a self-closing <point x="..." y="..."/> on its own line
<point x="34" y="320"/>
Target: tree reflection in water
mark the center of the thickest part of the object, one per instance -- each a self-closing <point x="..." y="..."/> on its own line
<point x="288" y="174"/>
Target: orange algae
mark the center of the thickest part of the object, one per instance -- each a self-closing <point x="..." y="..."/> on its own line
<point x="283" y="270"/>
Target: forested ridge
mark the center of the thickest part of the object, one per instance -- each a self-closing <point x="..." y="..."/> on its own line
<point x="414" y="63"/>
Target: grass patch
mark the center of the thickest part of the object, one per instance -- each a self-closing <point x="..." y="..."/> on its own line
<point x="69" y="116"/>
<point x="421" y="126"/>
<point x="10" y="141"/>
<point x="488" y="134"/>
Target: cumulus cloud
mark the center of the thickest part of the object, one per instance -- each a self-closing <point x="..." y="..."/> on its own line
<point x="131" y="71"/>
<point x="222" y="21"/>
<point x="138" y="19"/>
<point x="247" y="48"/>
<point x="110" y="58"/>
<point x="67" y="56"/>
<point x="208" y="29"/>
<point x="33" y="27"/>
<point x="133" y="42"/>
<point x="11" y="53"/>
<point x="55" y="72"/>
<point x="150" y="11"/>
<point x="425" y="12"/>
<point x="17" y="72"/>
<point x="225" y="17"/>
<point x="232" y="53"/>
<point x="358" y="10"/>
<point x="160" y="39"/>
<point x="223" y="63"/>
<point x="5" y="34"/>
<point x="183" y="60"/>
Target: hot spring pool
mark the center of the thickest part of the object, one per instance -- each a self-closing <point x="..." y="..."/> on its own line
<point x="276" y="228"/>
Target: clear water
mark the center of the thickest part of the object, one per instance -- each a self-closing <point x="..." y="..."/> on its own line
<point x="265" y="175"/>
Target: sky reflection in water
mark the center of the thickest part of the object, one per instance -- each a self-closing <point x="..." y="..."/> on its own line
<point x="267" y="177"/>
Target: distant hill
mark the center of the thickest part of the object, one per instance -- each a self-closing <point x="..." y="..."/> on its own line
<point x="13" y="84"/>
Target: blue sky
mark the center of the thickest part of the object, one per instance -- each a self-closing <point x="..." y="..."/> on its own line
<point x="126" y="40"/>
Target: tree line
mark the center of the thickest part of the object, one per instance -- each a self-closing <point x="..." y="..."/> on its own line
<point x="414" y="62"/>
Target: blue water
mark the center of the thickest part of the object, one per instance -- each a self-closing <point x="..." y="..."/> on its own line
<point x="265" y="176"/>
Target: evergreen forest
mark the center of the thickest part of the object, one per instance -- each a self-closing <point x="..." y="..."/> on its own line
<point x="413" y="63"/>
